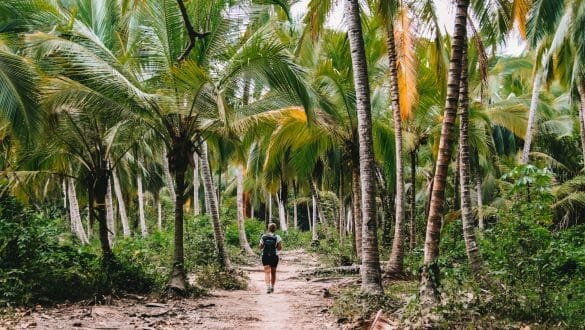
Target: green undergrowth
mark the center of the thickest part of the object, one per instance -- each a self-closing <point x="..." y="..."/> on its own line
<point x="334" y="251"/>
<point x="353" y="306"/>
<point x="41" y="262"/>
<point x="212" y="276"/>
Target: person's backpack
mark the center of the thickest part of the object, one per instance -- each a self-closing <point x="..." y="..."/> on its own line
<point x="269" y="243"/>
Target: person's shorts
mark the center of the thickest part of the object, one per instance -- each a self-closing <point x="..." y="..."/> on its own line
<point x="271" y="261"/>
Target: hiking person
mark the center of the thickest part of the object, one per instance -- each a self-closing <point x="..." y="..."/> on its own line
<point x="270" y="244"/>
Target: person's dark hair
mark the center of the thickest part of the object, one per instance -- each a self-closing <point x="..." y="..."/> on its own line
<point x="272" y="227"/>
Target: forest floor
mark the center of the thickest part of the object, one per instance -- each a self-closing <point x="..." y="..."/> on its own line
<point x="297" y="303"/>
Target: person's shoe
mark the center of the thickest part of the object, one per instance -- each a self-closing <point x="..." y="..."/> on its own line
<point x="268" y="289"/>
<point x="271" y="289"/>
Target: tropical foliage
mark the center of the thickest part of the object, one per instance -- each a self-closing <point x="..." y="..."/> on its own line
<point x="385" y="139"/>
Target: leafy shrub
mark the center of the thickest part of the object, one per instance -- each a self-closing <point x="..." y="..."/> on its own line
<point x="296" y="239"/>
<point x="39" y="264"/>
<point x="334" y="252"/>
<point x="353" y="305"/>
<point x="211" y="276"/>
<point x="533" y="273"/>
<point x="254" y="229"/>
<point x="541" y="274"/>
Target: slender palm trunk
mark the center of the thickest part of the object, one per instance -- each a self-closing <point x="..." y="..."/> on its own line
<point x="143" y="229"/>
<point x="244" y="245"/>
<point x="110" y="214"/>
<point x="121" y="204"/>
<point x="295" y="207"/>
<point x="310" y="221"/>
<point x="581" y="90"/>
<point x="315" y="236"/>
<point x="178" y="281"/>
<point x="269" y="207"/>
<point x="413" y="199"/>
<point x="281" y="212"/>
<point x="356" y="210"/>
<point x="211" y="200"/>
<point x="471" y="247"/>
<point x="456" y="183"/>
<point x="396" y="262"/>
<point x="341" y="210"/>
<point x="479" y="202"/>
<point x="370" y="270"/>
<point x="429" y="295"/>
<point x="196" y="205"/>
<point x="90" y="212"/>
<point x="169" y="177"/>
<point x="158" y="211"/>
<point x="64" y="188"/>
<point x="321" y="212"/>
<point x="388" y="204"/>
<point x="100" y="188"/>
<point x="531" y="115"/>
<point x="74" y="215"/>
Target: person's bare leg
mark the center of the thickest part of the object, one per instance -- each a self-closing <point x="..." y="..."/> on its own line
<point x="272" y="276"/>
<point x="267" y="275"/>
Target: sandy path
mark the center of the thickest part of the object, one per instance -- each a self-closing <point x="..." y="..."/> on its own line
<point x="295" y="304"/>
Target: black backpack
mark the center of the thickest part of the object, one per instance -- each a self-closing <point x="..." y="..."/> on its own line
<point x="269" y="243"/>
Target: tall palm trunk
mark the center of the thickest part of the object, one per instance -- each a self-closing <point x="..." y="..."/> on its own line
<point x="396" y="262"/>
<point x="479" y="201"/>
<point x="357" y="210"/>
<point x="581" y="90"/>
<point x="413" y="199"/>
<point x="341" y="210"/>
<point x="143" y="229"/>
<point x="295" y="207"/>
<point x="74" y="215"/>
<point x="196" y="206"/>
<point x="473" y="253"/>
<point x="531" y="116"/>
<point x="110" y="214"/>
<point x="100" y="188"/>
<point x="269" y="220"/>
<point x="370" y="270"/>
<point x="178" y="281"/>
<point x="315" y="236"/>
<point x="429" y="295"/>
<point x="158" y="211"/>
<point x="388" y="204"/>
<point x="64" y="188"/>
<point x="310" y="221"/>
<point x="321" y="212"/>
<point x="281" y="212"/>
<point x="169" y="177"/>
<point x="211" y="200"/>
<point x="244" y="245"/>
<point x="534" y="106"/>
<point x="121" y="204"/>
<point x="456" y="183"/>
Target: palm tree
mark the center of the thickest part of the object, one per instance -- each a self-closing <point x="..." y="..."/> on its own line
<point x="431" y="251"/>
<point x="401" y="74"/>
<point x="541" y="21"/>
<point x="467" y="217"/>
<point x="371" y="279"/>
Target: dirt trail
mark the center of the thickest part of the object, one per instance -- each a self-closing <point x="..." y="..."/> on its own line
<point x="295" y="304"/>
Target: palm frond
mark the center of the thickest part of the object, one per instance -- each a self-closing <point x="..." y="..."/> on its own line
<point x="19" y="94"/>
<point x="406" y="62"/>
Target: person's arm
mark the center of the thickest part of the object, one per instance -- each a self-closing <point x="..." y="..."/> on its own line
<point x="261" y="245"/>
<point x="279" y="243"/>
